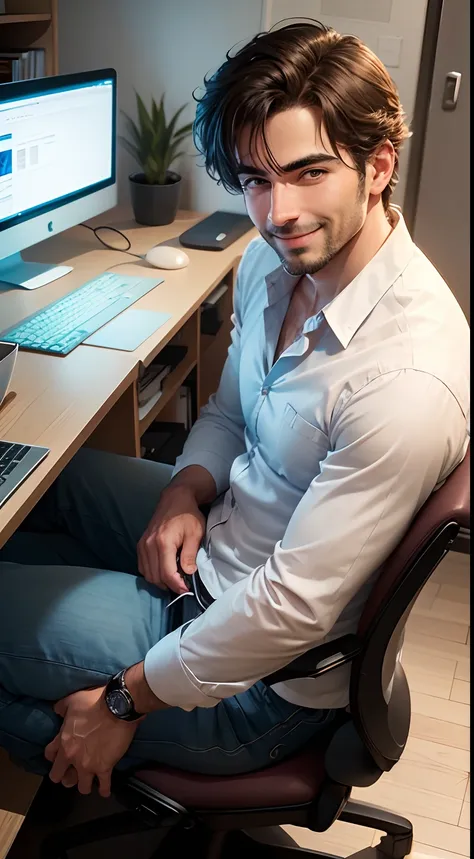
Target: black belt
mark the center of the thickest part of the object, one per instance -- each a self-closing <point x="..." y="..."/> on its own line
<point x="178" y="609"/>
<point x="199" y="590"/>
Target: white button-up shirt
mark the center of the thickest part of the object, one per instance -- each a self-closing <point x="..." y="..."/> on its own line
<point x="321" y="460"/>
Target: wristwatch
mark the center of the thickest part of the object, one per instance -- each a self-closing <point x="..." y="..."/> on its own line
<point x="119" y="700"/>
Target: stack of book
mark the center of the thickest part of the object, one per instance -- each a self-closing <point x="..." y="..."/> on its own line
<point x="150" y="387"/>
<point x="151" y="379"/>
<point x="21" y="65"/>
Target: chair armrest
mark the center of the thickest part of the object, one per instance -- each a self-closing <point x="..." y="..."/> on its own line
<point x="319" y="660"/>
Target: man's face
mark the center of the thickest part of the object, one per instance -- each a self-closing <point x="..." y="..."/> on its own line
<point x="316" y="206"/>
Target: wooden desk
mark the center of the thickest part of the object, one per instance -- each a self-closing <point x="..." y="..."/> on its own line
<point x="90" y="396"/>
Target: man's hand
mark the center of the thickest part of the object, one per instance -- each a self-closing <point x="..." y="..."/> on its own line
<point x="90" y="742"/>
<point x="177" y="526"/>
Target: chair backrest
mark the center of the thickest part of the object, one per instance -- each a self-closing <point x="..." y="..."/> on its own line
<point x="372" y="738"/>
<point x="382" y="720"/>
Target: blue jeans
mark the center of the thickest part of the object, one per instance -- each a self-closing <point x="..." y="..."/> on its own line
<point x="74" y="610"/>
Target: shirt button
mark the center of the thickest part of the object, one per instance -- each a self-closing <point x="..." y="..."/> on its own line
<point x="264" y="392"/>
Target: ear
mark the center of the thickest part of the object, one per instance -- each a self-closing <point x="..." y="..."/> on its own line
<point x="383" y="164"/>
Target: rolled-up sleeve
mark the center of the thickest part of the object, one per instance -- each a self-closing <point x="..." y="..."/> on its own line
<point x="217" y="437"/>
<point x="389" y="448"/>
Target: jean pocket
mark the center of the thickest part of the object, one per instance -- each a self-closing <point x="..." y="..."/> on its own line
<point x="299" y="731"/>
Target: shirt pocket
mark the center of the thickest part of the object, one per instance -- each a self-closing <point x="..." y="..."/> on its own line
<point x="300" y="447"/>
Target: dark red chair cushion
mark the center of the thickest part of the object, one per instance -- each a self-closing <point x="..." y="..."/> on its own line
<point x="295" y="781"/>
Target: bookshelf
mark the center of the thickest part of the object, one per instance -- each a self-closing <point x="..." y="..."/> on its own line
<point x="188" y="336"/>
<point x="24" y="24"/>
<point x="31" y="24"/>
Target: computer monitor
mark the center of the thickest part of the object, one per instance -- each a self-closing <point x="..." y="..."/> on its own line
<point x="57" y="164"/>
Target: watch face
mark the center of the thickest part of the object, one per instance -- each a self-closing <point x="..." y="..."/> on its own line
<point x="118" y="703"/>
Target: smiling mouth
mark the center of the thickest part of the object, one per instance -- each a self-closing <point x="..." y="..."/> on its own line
<point x="295" y="238"/>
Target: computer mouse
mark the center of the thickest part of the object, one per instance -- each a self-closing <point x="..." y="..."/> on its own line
<point x="165" y="256"/>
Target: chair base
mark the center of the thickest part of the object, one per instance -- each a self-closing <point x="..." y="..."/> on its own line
<point x="187" y="836"/>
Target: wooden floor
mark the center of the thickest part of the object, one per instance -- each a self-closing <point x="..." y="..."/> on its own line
<point x="430" y="784"/>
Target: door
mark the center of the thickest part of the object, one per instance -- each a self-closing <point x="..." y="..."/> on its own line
<point x="441" y="218"/>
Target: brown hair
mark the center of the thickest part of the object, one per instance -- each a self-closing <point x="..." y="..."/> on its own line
<point x="299" y="65"/>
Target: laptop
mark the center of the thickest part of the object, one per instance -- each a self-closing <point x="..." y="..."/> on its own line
<point x="17" y="460"/>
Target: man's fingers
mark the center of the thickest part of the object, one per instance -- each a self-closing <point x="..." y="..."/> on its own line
<point x="71" y="778"/>
<point x="169" y="570"/>
<point x="60" y="707"/>
<point x="84" y="781"/>
<point x="60" y="765"/>
<point x="105" y="783"/>
<point x="191" y="544"/>
<point x="152" y="555"/>
<point x="143" y="562"/>
<point x="52" y="748"/>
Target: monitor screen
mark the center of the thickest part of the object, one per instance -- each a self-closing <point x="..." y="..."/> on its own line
<point x="57" y="143"/>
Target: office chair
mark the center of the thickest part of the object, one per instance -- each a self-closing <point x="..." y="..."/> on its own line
<point x="210" y="815"/>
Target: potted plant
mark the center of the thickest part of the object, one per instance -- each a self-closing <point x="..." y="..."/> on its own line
<point x="154" y="144"/>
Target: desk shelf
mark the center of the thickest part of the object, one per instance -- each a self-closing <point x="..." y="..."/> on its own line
<point x="31" y="24"/>
<point x="188" y="336"/>
<point x="171" y="386"/>
<point x="24" y="18"/>
<point x="213" y="348"/>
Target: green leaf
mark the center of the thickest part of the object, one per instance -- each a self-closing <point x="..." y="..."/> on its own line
<point x="172" y="125"/>
<point x="154" y="113"/>
<point x="185" y="130"/>
<point x="153" y="142"/>
<point x="173" y="157"/>
<point x="131" y="149"/>
<point x="158" y="116"/>
<point x="144" y="117"/>
<point x="133" y="130"/>
<point x="173" y="149"/>
<point x="169" y="132"/>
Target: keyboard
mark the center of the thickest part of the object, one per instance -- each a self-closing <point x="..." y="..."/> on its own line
<point x="17" y="461"/>
<point x="59" y="327"/>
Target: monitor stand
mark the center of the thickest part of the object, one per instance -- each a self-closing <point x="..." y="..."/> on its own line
<point x="14" y="271"/>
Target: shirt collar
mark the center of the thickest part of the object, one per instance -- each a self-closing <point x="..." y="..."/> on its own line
<point x="348" y="310"/>
<point x="279" y="283"/>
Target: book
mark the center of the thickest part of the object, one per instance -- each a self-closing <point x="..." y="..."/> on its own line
<point x="10" y="63"/>
<point x="6" y="70"/>
<point x="21" y="64"/>
<point x="152" y="382"/>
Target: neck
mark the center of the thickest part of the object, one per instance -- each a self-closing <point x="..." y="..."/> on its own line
<point x="354" y="256"/>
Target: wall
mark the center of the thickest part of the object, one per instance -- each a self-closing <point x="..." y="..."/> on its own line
<point x="158" y="46"/>
<point x="380" y="24"/>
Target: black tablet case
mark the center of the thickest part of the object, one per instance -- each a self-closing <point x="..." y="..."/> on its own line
<point x="216" y="232"/>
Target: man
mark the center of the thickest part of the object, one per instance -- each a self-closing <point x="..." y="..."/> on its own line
<point x="342" y="405"/>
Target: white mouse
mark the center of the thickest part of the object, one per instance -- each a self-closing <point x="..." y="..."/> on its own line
<point x="165" y="256"/>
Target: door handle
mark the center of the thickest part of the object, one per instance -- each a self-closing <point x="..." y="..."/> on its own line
<point x="452" y="83"/>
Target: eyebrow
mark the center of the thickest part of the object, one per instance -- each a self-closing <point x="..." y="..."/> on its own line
<point x="307" y="161"/>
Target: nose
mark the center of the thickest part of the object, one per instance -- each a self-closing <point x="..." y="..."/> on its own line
<point x="284" y="206"/>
